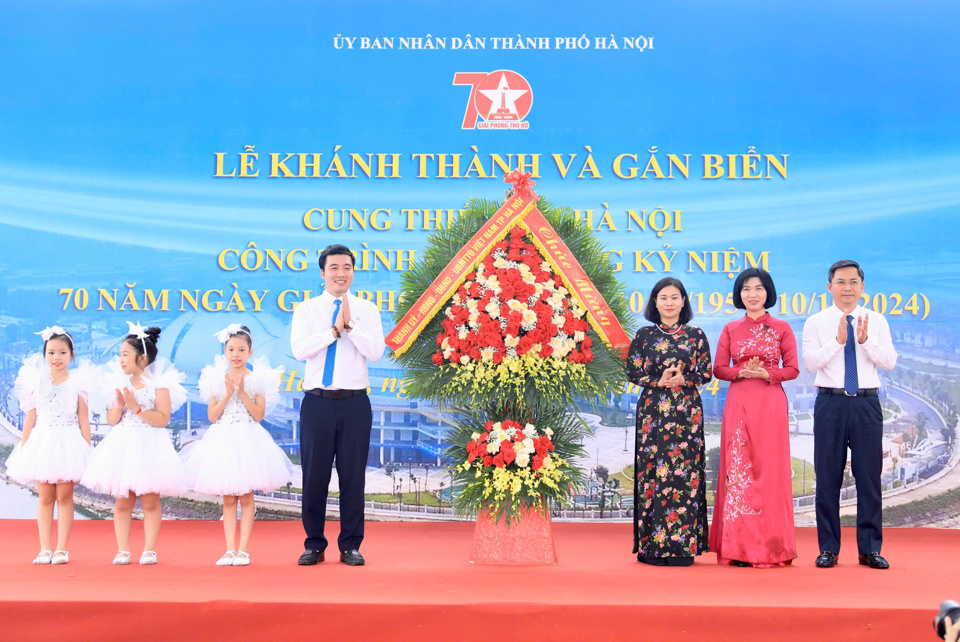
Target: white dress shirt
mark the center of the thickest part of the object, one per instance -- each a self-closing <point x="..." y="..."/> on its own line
<point x="312" y="333"/>
<point x="823" y="355"/>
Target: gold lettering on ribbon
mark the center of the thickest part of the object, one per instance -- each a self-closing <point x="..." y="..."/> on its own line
<point x="599" y="314"/>
<point x="450" y="278"/>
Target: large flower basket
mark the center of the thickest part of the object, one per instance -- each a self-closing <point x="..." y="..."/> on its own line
<point x="511" y="319"/>
<point x="528" y="540"/>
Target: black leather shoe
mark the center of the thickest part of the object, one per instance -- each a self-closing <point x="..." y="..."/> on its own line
<point x="874" y="560"/>
<point x="352" y="558"/>
<point x="652" y="561"/>
<point x="741" y="564"/>
<point x="827" y="560"/>
<point x="310" y="557"/>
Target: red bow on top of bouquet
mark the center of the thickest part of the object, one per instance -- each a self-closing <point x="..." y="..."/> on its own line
<point x="522" y="185"/>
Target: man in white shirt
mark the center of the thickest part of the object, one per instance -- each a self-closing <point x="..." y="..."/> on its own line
<point x="335" y="333"/>
<point x="844" y="345"/>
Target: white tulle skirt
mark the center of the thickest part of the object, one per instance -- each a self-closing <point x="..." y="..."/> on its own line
<point x="235" y="459"/>
<point x="52" y="454"/>
<point x="135" y="458"/>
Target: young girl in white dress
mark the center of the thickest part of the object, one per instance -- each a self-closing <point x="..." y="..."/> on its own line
<point x="237" y="455"/>
<point x="136" y="458"/>
<point x="55" y="445"/>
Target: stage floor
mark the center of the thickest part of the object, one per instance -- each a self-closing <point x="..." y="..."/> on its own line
<point x="418" y="584"/>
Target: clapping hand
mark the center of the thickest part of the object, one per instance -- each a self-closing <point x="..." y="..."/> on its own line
<point x="345" y="311"/>
<point x="228" y="384"/>
<point x="130" y="399"/>
<point x="862" y="328"/>
<point x="842" y="331"/>
<point x="118" y="402"/>
<point x="342" y="316"/>
<point x="240" y="392"/>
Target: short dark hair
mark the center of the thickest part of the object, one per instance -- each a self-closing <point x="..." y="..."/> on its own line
<point x="147" y="345"/>
<point x="336" y="249"/>
<point x="651" y="312"/>
<point x="839" y="265"/>
<point x="765" y="280"/>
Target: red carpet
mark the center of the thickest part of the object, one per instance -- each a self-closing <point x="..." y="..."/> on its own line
<point x="418" y="585"/>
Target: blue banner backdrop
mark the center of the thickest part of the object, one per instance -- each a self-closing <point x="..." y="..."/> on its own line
<point x="182" y="164"/>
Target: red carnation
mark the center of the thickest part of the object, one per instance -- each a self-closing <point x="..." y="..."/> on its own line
<point x="438" y="358"/>
<point x="537" y="462"/>
<point x="488" y="461"/>
<point x="498" y="460"/>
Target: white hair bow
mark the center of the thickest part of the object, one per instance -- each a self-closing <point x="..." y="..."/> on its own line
<point x="48" y="332"/>
<point x="234" y="328"/>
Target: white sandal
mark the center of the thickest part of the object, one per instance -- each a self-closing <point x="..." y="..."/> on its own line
<point x="148" y="557"/>
<point x="242" y="559"/>
<point x="227" y="559"/>
<point x="60" y="557"/>
<point x="122" y="558"/>
<point x="44" y="557"/>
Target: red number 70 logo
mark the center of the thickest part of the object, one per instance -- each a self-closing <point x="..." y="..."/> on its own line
<point x="498" y="96"/>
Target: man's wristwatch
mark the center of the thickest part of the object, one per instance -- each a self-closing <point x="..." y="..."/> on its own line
<point x="349" y="325"/>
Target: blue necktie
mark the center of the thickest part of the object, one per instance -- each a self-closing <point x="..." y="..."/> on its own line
<point x="331" y="351"/>
<point x="850" y="381"/>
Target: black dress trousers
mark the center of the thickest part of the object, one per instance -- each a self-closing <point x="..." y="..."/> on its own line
<point x="838" y="422"/>
<point x="334" y="429"/>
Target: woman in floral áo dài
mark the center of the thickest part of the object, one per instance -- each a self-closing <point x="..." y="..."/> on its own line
<point x="670" y="360"/>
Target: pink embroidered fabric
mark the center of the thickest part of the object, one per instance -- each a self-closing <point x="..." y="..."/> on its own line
<point x="528" y="542"/>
